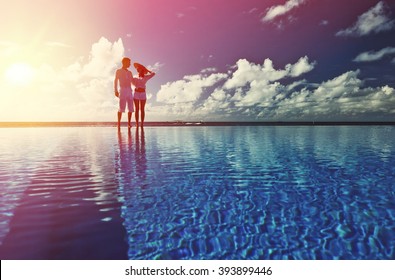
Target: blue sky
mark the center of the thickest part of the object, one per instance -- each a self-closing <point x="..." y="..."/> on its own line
<point x="216" y="60"/>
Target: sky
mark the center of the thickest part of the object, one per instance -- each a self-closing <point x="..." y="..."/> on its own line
<point x="215" y="60"/>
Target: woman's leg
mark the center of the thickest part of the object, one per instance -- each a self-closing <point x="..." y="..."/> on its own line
<point x="137" y="108"/>
<point x="142" y="103"/>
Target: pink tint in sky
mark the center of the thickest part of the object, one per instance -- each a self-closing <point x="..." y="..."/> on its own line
<point x="185" y="37"/>
<point x="190" y="35"/>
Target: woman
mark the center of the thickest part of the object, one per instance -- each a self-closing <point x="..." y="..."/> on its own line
<point x="140" y="95"/>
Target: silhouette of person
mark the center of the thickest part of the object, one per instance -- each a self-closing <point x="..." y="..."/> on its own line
<point x="123" y="90"/>
<point x="123" y="158"/>
<point x="140" y="95"/>
<point x="141" y="159"/>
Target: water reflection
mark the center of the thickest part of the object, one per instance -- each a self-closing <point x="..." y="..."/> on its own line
<point x="140" y="155"/>
<point x="201" y="192"/>
<point x="68" y="208"/>
<point x="261" y="192"/>
<point x="130" y="159"/>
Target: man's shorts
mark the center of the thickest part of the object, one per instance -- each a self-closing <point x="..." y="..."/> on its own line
<point x="126" y="97"/>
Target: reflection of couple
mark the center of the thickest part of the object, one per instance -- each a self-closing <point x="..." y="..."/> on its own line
<point x="131" y="162"/>
<point x="122" y="87"/>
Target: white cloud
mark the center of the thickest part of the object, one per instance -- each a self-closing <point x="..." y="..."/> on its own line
<point x="260" y="82"/>
<point x="256" y="92"/>
<point x="279" y="10"/>
<point x="300" y="67"/>
<point x="219" y="100"/>
<point x="58" y="45"/>
<point x="189" y="89"/>
<point x="324" y="22"/>
<point x="253" y="10"/>
<point x="375" y="20"/>
<point x="387" y="90"/>
<point x="156" y="66"/>
<point x="250" y="85"/>
<point x="248" y="72"/>
<point x="374" y="55"/>
<point x="343" y="85"/>
<point x="261" y="93"/>
<point x="104" y="57"/>
<point x="209" y="70"/>
<point x="343" y="97"/>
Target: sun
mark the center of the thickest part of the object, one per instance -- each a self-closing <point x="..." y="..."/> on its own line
<point x="20" y="74"/>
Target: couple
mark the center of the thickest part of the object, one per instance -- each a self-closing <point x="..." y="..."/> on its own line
<point x="125" y="79"/>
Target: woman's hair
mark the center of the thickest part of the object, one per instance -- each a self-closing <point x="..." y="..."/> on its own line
<point x="140" y="68"/>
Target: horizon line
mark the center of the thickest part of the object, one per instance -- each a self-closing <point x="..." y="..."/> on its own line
<point x="187" y="123"/>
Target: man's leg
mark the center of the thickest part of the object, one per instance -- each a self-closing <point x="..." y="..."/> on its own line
<point x="129" y="119"/>
<point x="122" y="106"/>
<point x="119" y="119"/>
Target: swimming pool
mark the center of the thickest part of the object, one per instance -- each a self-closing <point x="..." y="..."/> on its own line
<point x="226" y="192"/>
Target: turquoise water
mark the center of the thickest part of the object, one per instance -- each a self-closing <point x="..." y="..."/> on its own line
<point x="280" y="192"/>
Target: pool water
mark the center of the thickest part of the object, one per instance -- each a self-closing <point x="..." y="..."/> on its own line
<point x="227" y="192"/>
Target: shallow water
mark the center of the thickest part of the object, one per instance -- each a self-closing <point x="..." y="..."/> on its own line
<point x="198" y="192"/>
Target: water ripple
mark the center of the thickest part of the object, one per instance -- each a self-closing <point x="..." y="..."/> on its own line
<point x="200" y="193"/>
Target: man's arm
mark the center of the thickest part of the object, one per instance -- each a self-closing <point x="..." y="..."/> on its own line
<point x="116" y="84"/>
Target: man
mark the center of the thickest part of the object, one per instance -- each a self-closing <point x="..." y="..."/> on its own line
<point x="124" y="77"/>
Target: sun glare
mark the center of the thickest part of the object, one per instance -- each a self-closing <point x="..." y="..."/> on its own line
<point x="20" y="74"/>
